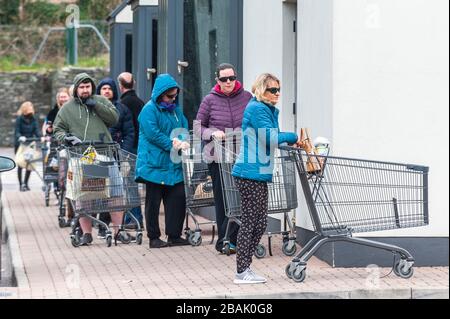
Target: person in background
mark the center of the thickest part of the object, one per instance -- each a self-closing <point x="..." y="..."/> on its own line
<point x="254" y="169"/>
<point x="154" y="167"/>
<point x="222" y="109"/>
<point x="62" y="96"/>
<point x="26" y="127"/>
<point x="122" y="132"/>
<point x="130" y="99"/>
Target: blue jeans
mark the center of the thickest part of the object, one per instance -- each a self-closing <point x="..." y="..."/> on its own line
<point x="137" y="212"/>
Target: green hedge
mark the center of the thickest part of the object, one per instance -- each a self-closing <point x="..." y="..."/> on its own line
<point x="43" y="13"/>
<point x="9" y="11"/>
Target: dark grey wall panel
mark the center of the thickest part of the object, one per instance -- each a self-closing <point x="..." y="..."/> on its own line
<point x="427" y="251"/>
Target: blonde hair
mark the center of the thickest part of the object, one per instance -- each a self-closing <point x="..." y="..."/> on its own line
<point x="261" y="84"/>
<point x="70" y="91"/>
<point x="60" y="91"/>
<point x="25" y="105"/>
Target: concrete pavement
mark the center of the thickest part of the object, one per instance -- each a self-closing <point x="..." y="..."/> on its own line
<point x="47" y="266"/>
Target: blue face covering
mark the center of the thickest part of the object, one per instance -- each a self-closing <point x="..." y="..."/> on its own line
<point x="168" y="106"/>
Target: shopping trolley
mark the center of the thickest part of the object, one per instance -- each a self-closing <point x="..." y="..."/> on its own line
<point x="346" y="196"/>
<point x="198" y="189"/>
<point x="50" y="167"/>
<point x="37" y="153"/>
<point x="100" y="179"/>
<point x="64" y="203"/>
<point x="282" y="193"/>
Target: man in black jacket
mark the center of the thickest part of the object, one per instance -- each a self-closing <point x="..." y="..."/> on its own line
<point x="130" y="99"/>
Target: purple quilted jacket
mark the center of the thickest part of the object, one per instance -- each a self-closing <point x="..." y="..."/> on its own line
<point x="219" y="111"/>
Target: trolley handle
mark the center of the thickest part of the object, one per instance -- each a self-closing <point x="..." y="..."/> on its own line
<point x="289" y="148"/>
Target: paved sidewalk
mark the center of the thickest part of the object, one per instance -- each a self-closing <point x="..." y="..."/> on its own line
<point x="47" y="266"/>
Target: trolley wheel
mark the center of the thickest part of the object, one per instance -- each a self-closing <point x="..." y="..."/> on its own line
<point x="400" y="271"/>
<point x="139" y="239"/>
<point x="75" y="239"/>
<point x="260" y="251"/>
<point x="62" y="222"/>
<point x="298" y="275"/>
<point x="288" y="251"/>
<point x="75" y="242"/>
<point x="193" y="240"/>
<point x="287" y="271"/>
<point x="108" y="240"/>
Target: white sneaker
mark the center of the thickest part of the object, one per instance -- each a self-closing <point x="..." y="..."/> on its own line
<point x="248" y="277"/>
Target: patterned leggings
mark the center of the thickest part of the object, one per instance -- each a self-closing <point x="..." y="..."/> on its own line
<point x="254" y="202"/>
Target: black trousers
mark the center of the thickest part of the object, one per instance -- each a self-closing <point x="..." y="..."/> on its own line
<point x="174" y="201"/>
<point x="221" y="219"/>
<point x="19" y="176"/>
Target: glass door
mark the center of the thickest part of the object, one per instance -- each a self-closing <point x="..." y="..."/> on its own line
<point x="195" y="36"/>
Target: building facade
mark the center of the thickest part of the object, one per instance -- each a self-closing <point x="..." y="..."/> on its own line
<point x="370" y="75"/>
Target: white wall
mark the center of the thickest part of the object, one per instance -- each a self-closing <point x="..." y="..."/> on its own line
<point x="267" y="49"/>
<point x="390" y="90"/>
<point x="372" y="76"/>
<point x="315" y="85"/>
<point x="262" y="39"/>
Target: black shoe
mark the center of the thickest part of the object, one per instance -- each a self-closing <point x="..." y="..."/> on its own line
<point x="26" y="188"/>
<point x="86" y="239"/>
<point x="22" y="188"/>
<point x="158" y="243"/>
<point x="178" y="242"/>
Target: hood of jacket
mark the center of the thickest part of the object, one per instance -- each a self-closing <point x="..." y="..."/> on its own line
<point x="79" y="78"/>
<point x="237" y="89"/>
<point x="112" y="84"/>
<point x="163" y="83"/>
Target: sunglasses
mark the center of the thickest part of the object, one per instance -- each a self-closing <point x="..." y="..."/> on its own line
<point x="273" y="90"/>
<point x="226" y="78"/>
<point x="172" y="96"/>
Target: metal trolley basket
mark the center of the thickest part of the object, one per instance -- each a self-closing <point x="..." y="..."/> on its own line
<point x="282" y="193"/>
<point x="198" y="189"/>
<point x="101" y="179"/>
<point x="346" y="196"/>
<point x="50" y="168"/>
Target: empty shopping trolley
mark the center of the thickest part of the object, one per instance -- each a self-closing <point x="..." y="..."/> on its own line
<point x="282" y="193"/>
<point x="346" y="196"/>
<point x="198" y="188"/>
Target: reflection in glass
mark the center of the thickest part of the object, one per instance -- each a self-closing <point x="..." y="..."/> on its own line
<point x="206" y="44"/>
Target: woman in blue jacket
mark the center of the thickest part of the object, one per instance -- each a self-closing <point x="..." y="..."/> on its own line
<point x="162" y="129"/>
<point x="254" y="169"/>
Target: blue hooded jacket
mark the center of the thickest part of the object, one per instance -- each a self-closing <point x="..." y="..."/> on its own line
<point x="260" y="135"/>
<point x="156" y="126"/>
<point x="123" y="131"/>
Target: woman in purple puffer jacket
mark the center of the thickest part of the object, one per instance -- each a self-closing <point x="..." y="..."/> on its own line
<point x="221" y="110"/>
